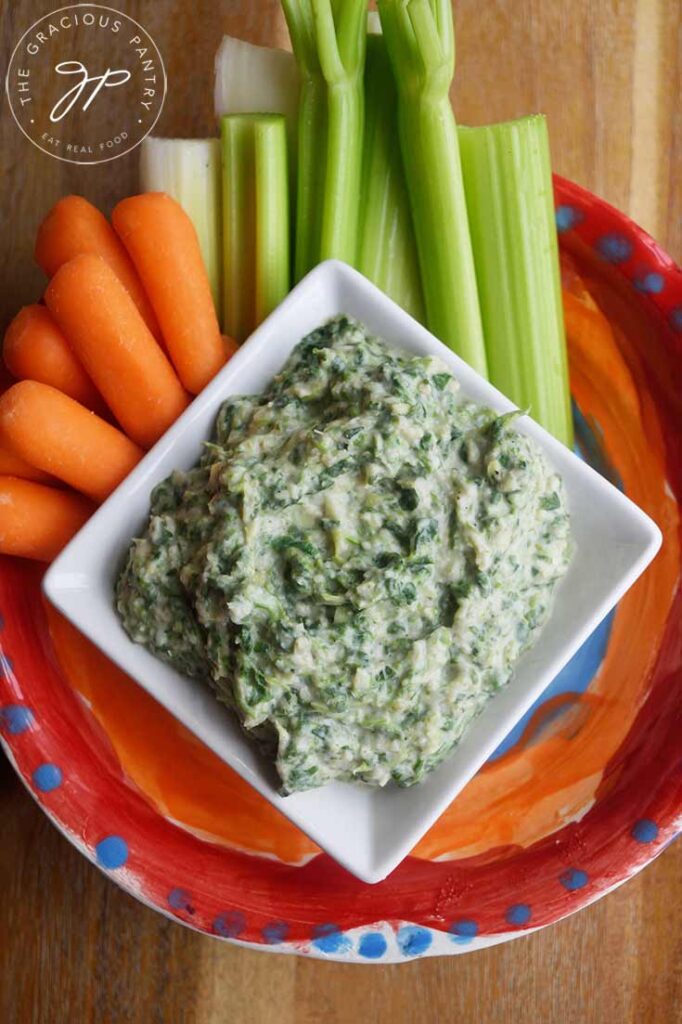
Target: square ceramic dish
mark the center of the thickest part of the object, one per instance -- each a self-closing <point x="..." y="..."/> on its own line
<point x="368" y="831"/>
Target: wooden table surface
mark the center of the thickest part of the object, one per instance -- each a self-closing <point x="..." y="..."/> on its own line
<point x="73" y="947"/>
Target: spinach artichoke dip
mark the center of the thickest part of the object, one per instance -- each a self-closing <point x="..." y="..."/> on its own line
<point x="356" y="562"/>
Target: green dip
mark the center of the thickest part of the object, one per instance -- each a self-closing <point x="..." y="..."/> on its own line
<point x="355" y="564"/>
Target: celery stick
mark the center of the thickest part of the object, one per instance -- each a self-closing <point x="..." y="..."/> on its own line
<point x="328" y="38"/>
<point x="189" y="171"/>
<point x="387" y="248"/>
<point x="341" y="48"/>
<point x="255" y="219"/>
<point x="271" y="217"/>
<point x="311" y="138"/>
<point x="238" y="226"/>
<point x="420" y="41"/>
<point x="508" y="183"/>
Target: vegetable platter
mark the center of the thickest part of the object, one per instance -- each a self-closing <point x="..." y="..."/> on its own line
<point x="349" y="149"/>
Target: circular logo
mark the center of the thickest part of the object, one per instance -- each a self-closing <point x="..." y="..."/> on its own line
<point x="86" y="83"/>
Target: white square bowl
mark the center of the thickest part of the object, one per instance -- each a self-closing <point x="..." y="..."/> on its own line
<point x="368" y="831"/>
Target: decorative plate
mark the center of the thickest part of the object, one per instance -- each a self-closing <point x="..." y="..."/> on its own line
<point x="583" y="793"/>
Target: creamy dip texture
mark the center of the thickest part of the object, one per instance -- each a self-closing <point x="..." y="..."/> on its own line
<point x="355" y="564"/>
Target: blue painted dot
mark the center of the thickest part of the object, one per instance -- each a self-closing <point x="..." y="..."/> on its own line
<point x="275" y="931"/>
<point x="652" y="283"/>
<point x="47" y="777"/>
<point x="573" y="879"/>
<point x="567" y="217"/>
<point x="614" y="248"/>
<point x="413" y="940"/>
<point x="645" y="830"/>
<point x="229" y="924"/>
<point x="180" y="899"/>
<point x="676" y="318"/>
<point x="2" y="621"/>
<point x="111" y="852"/>
<point x="463" y="931"/>
<point x="330" y="939"/>
<point x="372" y="945"/>
<point x="16" y="718"/>
<point x="519" y="913"/>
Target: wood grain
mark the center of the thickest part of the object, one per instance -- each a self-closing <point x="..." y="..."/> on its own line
<point x="73" y="948"/>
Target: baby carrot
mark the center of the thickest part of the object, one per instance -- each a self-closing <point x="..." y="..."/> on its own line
<point x="37" y="521"/>
<point x="164" y="247"/>
<point x="109" y="336"/>
<point x="12" y="465"/>
<point x="35" y="349"/>
<point x="74" y="226"/>
<point x="52" y="432"/>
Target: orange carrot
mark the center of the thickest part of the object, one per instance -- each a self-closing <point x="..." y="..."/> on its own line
<point x="37" y="521"/>
<point x="164" y="247"/>
<point x="12" y="465"/>
<point x="52" y="432"/>
<point x="109" y="336"/>
<point x="35" y="349"/>
<point x="74" y="226"/>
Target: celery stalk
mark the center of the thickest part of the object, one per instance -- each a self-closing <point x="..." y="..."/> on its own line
<point x="238" y="226"/>
<point x="271" y="216"/>
<point x="312" y="132"/>
<point x="508" y="182"/>
<point x="420" y="41"/>
<point x="255" y="219"/>
<point x="189" y="171"/>
<point x="387" y="249"/>
<point x="328" y="38"/>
